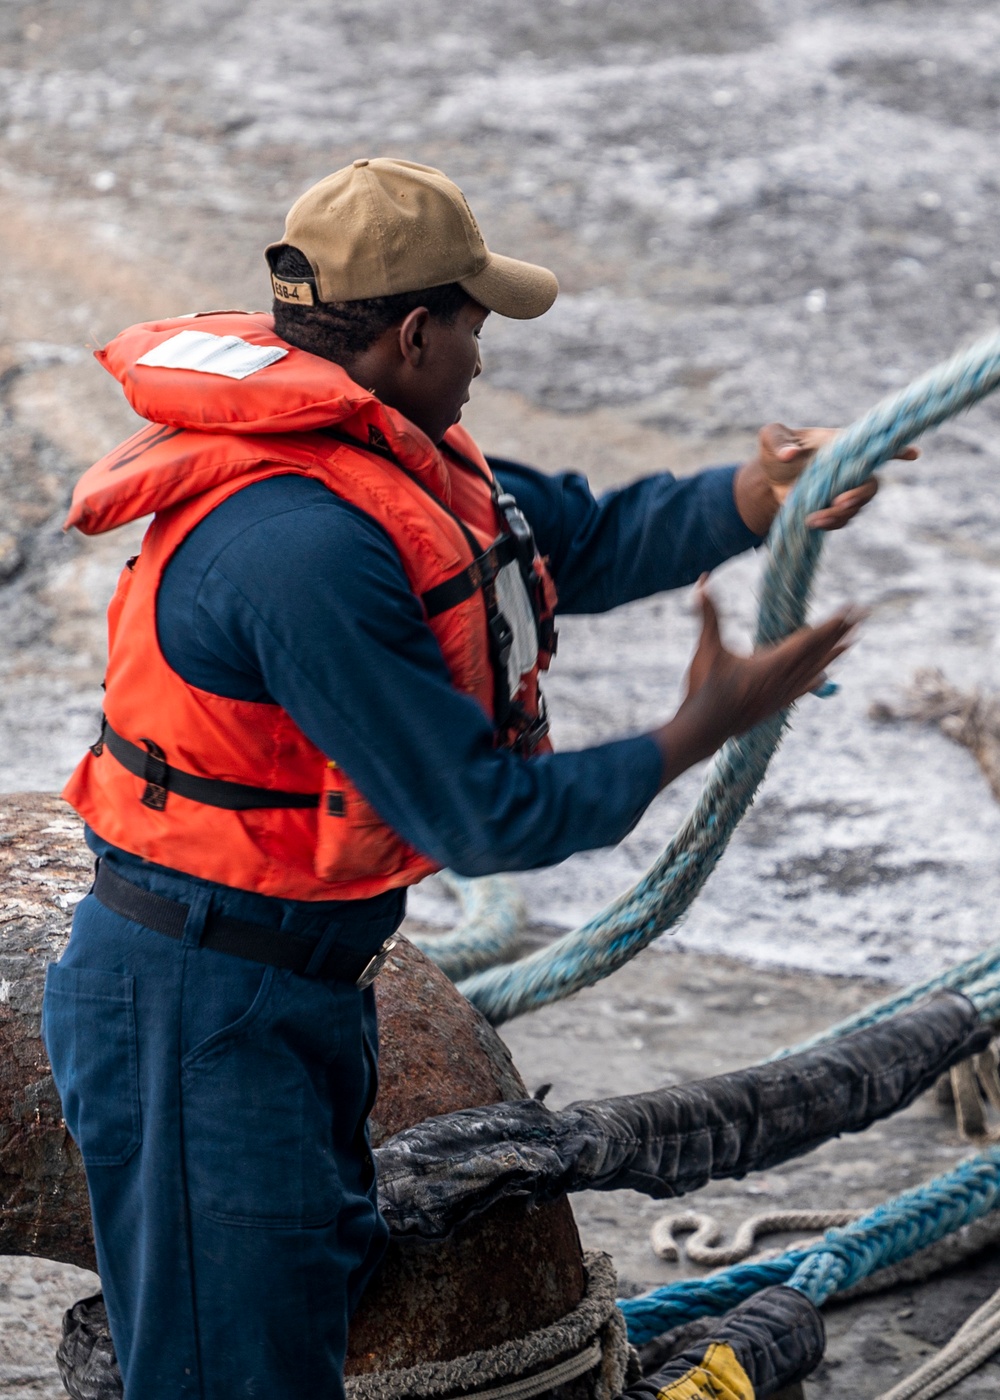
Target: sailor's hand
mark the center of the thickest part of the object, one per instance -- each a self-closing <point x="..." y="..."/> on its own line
<point x="782" y="456"/>
<point x="727" y="694"/>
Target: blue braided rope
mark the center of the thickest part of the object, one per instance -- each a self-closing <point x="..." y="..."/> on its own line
<point x="978" y="977"/>
<point x="886" y="1235"/>
<point x="985" y="996"/>
<point x="664" y="894"/>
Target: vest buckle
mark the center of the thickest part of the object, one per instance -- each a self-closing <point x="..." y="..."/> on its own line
<point x="97" y="747"/>
<point x="155" y="773"/>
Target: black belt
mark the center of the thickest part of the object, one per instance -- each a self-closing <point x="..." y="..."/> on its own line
<point x="255" y="942"/>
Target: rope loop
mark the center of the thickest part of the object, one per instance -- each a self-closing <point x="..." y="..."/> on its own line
<point x="664" y="894"/>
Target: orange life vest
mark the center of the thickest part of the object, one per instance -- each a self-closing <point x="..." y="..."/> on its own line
<point x="232" y="790"/>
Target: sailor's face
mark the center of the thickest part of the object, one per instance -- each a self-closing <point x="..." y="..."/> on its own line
<point x="453" y="362"/>
<point x="433" y="364"/>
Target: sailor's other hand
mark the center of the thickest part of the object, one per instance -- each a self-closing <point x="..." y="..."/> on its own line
<point x="782" y="456"/>
<point x="727" y="694"/>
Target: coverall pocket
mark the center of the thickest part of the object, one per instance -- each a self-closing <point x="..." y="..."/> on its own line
<point x="88" y="1023"/>
<point x="258" y="1137"/>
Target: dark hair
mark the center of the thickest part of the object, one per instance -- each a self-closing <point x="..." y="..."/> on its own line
<point x="336" y="330"/>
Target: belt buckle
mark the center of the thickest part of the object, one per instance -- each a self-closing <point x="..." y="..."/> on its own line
<point x="375" y="964"/>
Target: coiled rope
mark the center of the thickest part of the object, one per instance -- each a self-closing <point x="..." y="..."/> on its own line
<point x="668" y="888"/>
<point x="885" y="1236"/>
<point x="493" y="915"/>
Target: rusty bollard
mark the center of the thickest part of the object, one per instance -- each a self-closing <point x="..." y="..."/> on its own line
<point x="504" y="1274"/>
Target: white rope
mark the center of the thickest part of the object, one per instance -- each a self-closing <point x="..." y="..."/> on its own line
<point x="703" y="1247"/>
<point x="975" y="1342"/>
<point x="960" y="1245"/>
<point x="568" y="1370"/>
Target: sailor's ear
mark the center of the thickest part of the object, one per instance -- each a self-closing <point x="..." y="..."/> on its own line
<point x="413" y="336"/>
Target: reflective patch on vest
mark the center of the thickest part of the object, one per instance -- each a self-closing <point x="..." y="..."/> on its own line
<point x="719" y="1377"/>
<point x="514" y="603"/>
<point x="227" y="355"/>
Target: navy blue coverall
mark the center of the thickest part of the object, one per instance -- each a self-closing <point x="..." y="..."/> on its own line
<point x="220" y="1105"/>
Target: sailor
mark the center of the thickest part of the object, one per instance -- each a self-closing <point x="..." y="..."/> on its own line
<point x="322" y="684"/>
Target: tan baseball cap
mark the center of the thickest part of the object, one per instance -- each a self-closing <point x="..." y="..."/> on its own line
<point x="384" y="226"/>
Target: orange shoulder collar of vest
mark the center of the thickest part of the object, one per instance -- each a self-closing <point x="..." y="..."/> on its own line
<point x="227" y="372"/>
<point x="215" y="389"/>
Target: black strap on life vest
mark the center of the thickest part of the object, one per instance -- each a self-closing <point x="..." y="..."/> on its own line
<point x="524" y="733"/>
<point x="162" y="779"/>
<point x="485" y="565"/>
<point x="377" y="442"/>
<point x="472" y="578"/>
